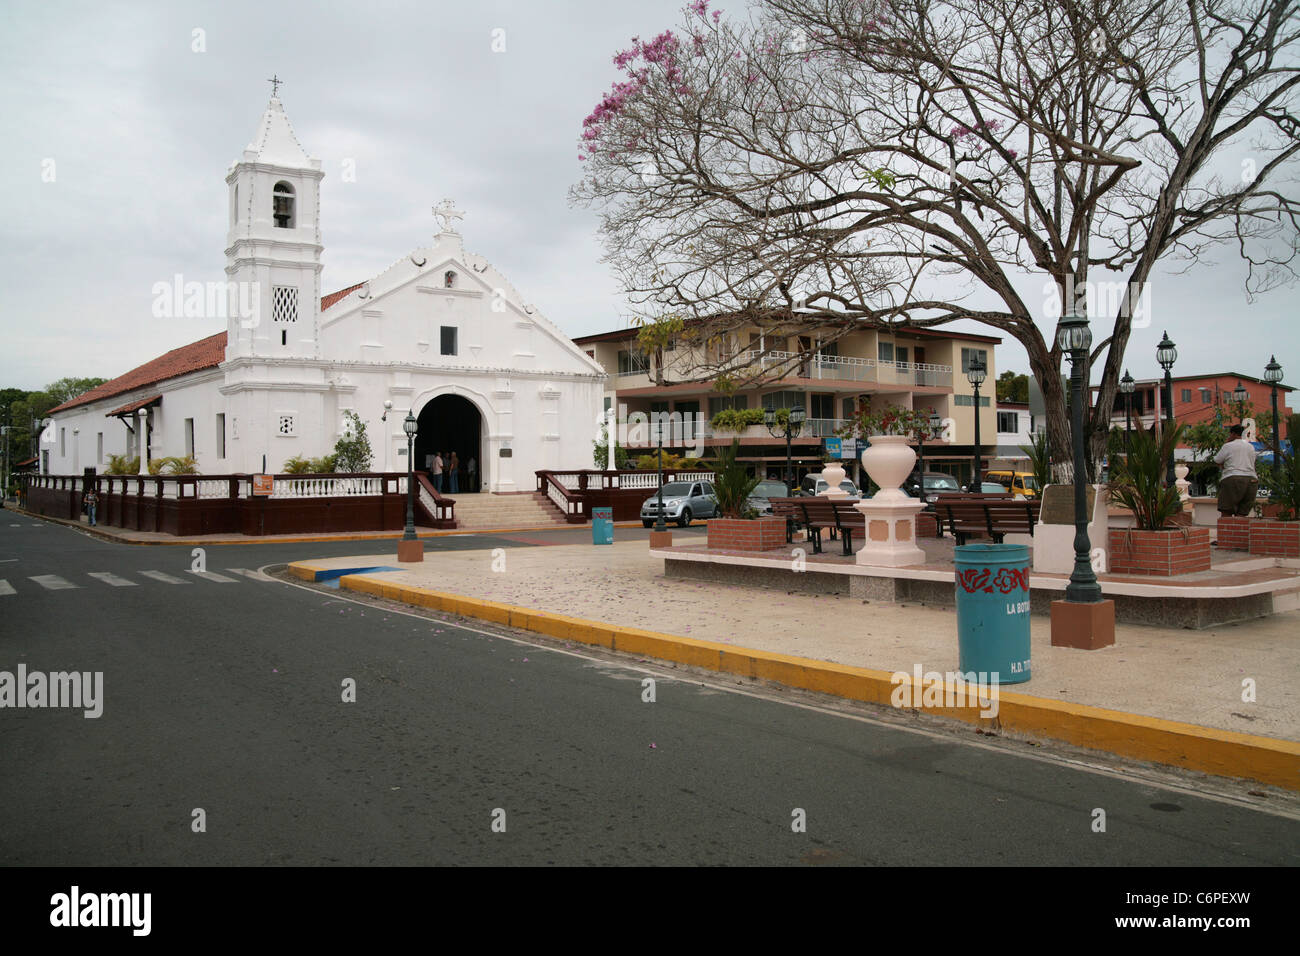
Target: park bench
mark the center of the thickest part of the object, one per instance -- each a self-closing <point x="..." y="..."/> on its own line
<point x="792" y="511"/>
<point x="836" y="515"/>
<point x="965" y="496"/>
<point x="994" y="517"/>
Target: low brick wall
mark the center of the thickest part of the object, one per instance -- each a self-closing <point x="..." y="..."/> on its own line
<point x="735" y="534"/>
<point x="1159" y="553"/>
<point x="1234" y="533"/>
<point x="1269" y="536"/>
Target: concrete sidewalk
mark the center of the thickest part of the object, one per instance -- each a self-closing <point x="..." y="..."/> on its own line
<point x="1184" y="676"/>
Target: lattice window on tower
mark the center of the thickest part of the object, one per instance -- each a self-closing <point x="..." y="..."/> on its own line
<point x="284" y="303"/>
<point x="286" y="424"/>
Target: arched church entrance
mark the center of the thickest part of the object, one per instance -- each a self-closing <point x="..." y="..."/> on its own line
<point x="449" y="424"/>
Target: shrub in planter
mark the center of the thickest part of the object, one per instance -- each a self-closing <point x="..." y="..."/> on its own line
<point x="1158" y="543"/>
<point x="738" y="526"/>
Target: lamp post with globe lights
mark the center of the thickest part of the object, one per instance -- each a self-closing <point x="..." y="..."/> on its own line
<point x="1126" y="387"/>
<point x="1075" y="339"/>
<point x="1167" y="355"/>
<point x="1273" y="375"/>
<point x="976" y="372"/>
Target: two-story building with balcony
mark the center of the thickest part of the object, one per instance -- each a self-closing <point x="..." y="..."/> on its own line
<point x="829" y="378"/>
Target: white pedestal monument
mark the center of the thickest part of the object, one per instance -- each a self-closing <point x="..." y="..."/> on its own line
<point x="890" y="538"/>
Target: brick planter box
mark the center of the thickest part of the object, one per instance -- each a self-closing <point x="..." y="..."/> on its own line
<point x="737" y="534"/>
<point x="1161" y="553"/>
<point x="1234" y="533"/>
<point x="1270" y="536"/>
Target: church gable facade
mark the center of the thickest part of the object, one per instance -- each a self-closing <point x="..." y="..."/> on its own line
<point x="440" y="334"/>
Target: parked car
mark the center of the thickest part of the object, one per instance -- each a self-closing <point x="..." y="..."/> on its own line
<point x="993" y="488"/>
<point x="683" y="502"/>
<point x="815" y="485"/>
<point x="765" y="490"/>
<point x="937" y="484"/>
<point x="1016" y="482"/>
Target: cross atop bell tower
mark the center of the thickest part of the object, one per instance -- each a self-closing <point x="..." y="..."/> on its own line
<point x="275" y="82"/>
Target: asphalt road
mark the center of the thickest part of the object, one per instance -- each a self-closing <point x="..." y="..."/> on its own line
<point x="226" y="696"/>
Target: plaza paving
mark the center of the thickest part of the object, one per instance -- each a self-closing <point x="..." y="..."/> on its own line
<point x="1175" y="674"/>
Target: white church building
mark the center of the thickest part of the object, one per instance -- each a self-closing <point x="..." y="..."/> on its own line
<point x="441" y="333"/>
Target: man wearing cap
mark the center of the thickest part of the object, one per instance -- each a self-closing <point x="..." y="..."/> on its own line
<point x="1237" y="481"/>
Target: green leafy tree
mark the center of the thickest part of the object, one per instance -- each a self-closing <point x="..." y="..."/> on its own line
<point x="352" y="452"/>
<point x="1013" y="387"/>
<point x="66" y="389"/>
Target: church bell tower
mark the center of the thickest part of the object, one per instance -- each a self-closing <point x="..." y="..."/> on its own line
<point x="273" y="247"/>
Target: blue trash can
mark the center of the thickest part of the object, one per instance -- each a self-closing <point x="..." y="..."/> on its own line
<point x="992" y="582"/>
<point x="602" y="525"/>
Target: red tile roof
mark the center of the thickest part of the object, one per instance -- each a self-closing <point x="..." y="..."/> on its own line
<point x="130" y="407"/>
<point x="333" y="297"/>
<point x="205" y="353"/>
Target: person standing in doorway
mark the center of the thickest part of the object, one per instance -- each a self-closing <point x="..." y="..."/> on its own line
<point x="471" y="475"/>
<point x="1237" y="481"/>
<point x="453" y="469"/>
<point x="436" y="471"/>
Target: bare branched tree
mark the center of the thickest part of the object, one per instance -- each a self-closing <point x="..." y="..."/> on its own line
<point x="838" y="164"/>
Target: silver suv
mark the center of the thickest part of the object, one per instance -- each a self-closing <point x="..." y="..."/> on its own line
<point x="683" y="502"/>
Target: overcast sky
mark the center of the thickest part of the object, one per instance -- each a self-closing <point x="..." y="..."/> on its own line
<point x="141" y="130"/>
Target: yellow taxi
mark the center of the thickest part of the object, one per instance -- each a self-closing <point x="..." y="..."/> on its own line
<point x="1016" y="482"/>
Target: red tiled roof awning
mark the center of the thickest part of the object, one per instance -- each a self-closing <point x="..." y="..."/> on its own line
<point x="130" y="407"/>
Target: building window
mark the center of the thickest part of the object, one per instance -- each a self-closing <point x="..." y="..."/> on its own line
<point x="63" y="442"/>
<point x="968" y="354"/>
<point x="448" y="340"/>
<point x="221" y="435"/>
<point x="1008" y="422"/>
<point x="282" y="206"/>
<point x="1185" y="395"/>
<point x="720" y="402"/>
<point x="99" y="448"/>
<point x="284" y="303"/>
<point x="1206" y="396"/>
<point x="449" y="279"/>
<point x="189" y="436"/>
<point x="633" y="363"/>
<point x="782" y="399"/>
<point x="885" y="351"/>
<point x="234" y="209"/>
<point x="285" y="424"/>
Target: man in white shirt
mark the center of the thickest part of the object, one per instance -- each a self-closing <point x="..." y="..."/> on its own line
<point x="1237" y="480"/>
<point x="437" y="471"/>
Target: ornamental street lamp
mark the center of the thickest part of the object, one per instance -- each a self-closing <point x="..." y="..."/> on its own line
<point x="410" y="426"/>
<point x="1075" y="339"/>
<point x="1240" y="395"/>
<point x="1166" y="355"/>
<point x="976" y="372"/>
<point x="1273" y="375"/>
<point x="791" y="429"/>
<point x="1126" y="386"/>
<point x="659" y="430"/>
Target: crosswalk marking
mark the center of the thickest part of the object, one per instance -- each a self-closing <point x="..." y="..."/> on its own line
<point x="164" y="578"/>
<point x="108" y="577"/>
<point x="251" y="573"/>
<point x="213" y="576"/>
<point x="5" y="588"/>
<point x="52" y="582"/>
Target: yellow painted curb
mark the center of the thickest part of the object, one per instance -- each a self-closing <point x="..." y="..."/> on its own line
<point x="1206" y="749"/>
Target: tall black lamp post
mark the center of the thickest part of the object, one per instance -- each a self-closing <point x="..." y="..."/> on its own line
<point x="1167" y="355"/>
<point x="1075" y="339"/>
<point x="791" y="429"/>
<point x="1273" y="375"/>
<point x="1240" y="396"/>
<point x="976" y="372"/>
<point x="659" y="519"/>
<point x="410" y="426"/>
<point x="1126" y="387"/>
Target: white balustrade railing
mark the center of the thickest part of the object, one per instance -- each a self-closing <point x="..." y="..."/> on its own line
<point x="561" y="502"/>
<point x="319" y="487"/>
<point x="648" y="480"/>
<point x="212" y="488"/>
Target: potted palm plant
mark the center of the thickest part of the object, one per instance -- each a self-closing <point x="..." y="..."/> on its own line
<point x="738" y="527"/>
<point x="1156" y="544"/>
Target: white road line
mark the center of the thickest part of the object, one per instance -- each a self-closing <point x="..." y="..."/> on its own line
<point x="164" y="578"/>
<point x="5" y="588"/>
<point x="52" y="582"/>
<point x="214" y="577"/>
<point x="251" y="574"/>
<point x="108" y="577"/>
